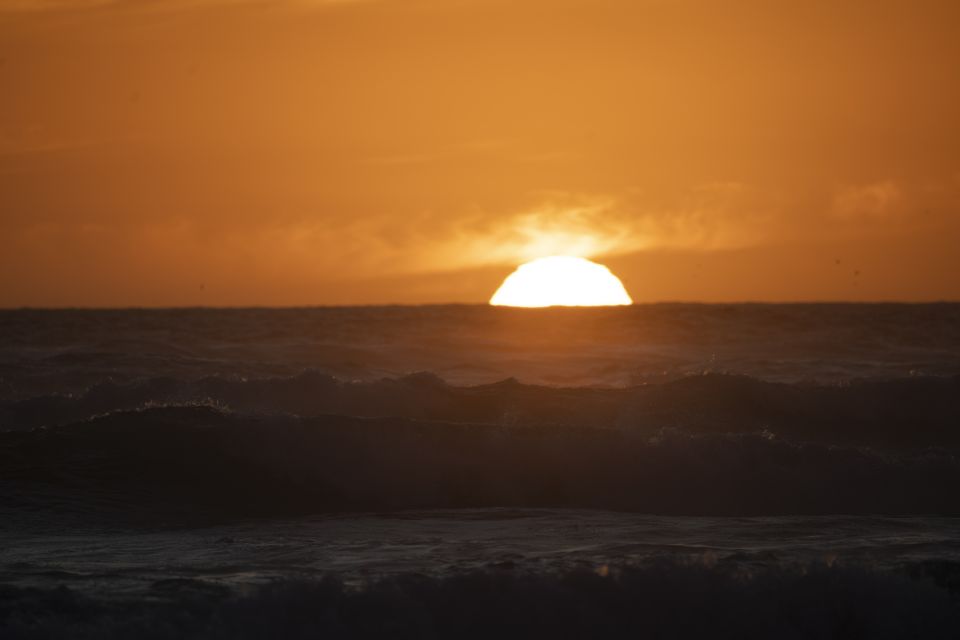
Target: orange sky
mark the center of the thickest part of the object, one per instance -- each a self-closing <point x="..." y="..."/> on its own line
<point x="235" y="152"/>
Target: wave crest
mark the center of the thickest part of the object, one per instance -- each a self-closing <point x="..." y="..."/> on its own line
<point x="912" y="412"/>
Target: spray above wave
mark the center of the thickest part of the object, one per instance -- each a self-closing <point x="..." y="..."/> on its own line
<point x="200" y="464"/>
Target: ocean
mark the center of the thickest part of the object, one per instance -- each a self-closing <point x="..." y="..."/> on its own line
<point x="665" y="471"/>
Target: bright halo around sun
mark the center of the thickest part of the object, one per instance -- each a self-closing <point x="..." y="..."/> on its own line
<point x="561" y="281"/>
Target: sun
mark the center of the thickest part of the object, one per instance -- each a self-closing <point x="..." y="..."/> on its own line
<point x="561" y="281"/>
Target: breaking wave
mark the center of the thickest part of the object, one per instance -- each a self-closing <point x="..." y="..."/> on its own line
<point x="203" y="463"/>
<point x="909" y="412"/>
<point x="660" y="600"/>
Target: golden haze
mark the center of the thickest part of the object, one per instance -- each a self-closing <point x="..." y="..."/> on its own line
<point x="311" y="152"/>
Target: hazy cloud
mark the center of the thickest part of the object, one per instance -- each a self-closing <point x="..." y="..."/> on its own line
<point x="878" y="199"/>
<point x="710" y="217"/>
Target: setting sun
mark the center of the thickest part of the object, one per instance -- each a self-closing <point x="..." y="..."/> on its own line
<point x="561" y="281"/>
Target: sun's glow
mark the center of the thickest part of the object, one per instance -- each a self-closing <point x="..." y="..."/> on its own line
<point x="561" y="281"/>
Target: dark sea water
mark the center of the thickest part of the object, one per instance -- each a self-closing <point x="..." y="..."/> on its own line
<point x="669" y="471"/>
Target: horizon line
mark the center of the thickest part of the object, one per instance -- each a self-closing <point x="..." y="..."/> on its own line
<point x="241" y="307"/>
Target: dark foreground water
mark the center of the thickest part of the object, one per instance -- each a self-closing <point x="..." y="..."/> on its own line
<point x="671" y="471"/>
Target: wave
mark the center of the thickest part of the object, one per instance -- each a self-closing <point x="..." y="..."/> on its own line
<point x="910" y="412"/>
<point x="660" y="600"/>
<point x="67" y="350"/>
<point x="199" y="463"/>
